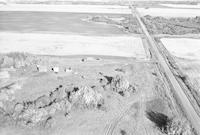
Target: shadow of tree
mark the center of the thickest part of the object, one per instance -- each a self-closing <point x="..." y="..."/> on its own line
<point x="160" y="120"/>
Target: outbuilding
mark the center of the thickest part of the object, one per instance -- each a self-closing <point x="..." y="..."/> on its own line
<point x="68" y="70"/>
<point x="41" y="68"/>
<point x="55" y="69"/>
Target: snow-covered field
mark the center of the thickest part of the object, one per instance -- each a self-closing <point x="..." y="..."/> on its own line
<point x="55" y="44"/>
<point x="181" y="6"/>
<point x="111" y="1"/>
<point x="112" y="9"/>
<point x="169" y="12"/>
<point x="183" y="47"/>
<point x="188" y="52"/>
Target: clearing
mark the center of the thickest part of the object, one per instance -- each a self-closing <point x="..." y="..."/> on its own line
<point x="169" y="12"/>
<point x="52" y="44"/>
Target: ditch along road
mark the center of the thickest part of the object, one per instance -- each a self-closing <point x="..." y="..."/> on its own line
<point x="186" y="105"/>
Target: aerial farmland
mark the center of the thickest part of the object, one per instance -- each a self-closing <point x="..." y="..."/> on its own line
<point x="99" y="67"/>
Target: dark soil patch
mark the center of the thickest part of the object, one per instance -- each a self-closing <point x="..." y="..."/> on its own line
<point x="160" y="120"/>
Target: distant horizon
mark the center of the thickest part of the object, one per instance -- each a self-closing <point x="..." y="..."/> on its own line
<point x="93" y="1"/>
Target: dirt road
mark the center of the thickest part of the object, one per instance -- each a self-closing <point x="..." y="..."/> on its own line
<point x="111" y="128"/>
<point x="179" y="93"/>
